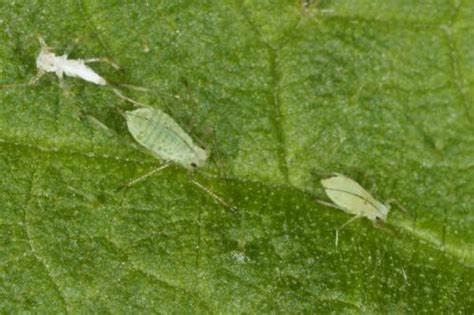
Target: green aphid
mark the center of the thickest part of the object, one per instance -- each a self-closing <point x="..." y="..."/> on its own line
<point x="164" y="138"/>
<point x="160" y="135"/>
<point x="350" y="197"/>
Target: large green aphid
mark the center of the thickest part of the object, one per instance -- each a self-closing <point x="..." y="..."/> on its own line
<point x="157" y="132"/>
<point x="164" y="138"/>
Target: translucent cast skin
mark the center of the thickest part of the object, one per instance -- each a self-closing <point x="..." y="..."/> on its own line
<point x="49" y="62"/>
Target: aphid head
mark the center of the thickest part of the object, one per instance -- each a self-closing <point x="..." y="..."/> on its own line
<point x="199" y="160"/>
<point x="46" y="61"/>
<point x="383" y="212"/>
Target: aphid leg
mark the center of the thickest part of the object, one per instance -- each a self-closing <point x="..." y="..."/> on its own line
<point x="377" y="225"/>
<point x="397" y="203"/>
<point x="96" y="124"/>
<point x="71" y="47"/>
<point x="404" y="275"/>
<point x="128" y="99"/>
<point x="89" y="60"/>
<point x="63" y="84"/>
<point x="36" y="78"/>
<point x="42" y="43"/>
<point x="214" y="196"/>
<point x="32" y="81"/>
<point x="103" y="59"/>
<point x="344" y="225"/>
<point x="217" y="154"/>
<point x="145" y="176"/>
<point x="60" y="76"/>
<point x="329" y="204"/>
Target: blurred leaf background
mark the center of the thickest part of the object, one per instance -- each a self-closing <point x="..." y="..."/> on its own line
<point x="284" y="93"/>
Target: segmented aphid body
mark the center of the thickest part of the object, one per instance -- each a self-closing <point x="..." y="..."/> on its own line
<point x="164" y="138"/>
<point x="49" y="62"/>
<point x="352" y="198"/>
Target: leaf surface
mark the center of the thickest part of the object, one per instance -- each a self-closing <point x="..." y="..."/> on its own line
<point x="283" y="93"/>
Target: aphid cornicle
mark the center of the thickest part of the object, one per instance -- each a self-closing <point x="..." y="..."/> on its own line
<point x="350" y="197"/>
<point x="157" y="132"/>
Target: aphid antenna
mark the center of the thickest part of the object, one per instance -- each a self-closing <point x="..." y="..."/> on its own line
<point x="147" y="90"/>
<point x="217" y="153"/>
<point x="134" y="87"/>
<point x="214" y="196"/>
<point x="143" y="177"/>
<point x="379" y="225"/>
<point x="97" y="124"/>
<point x="397" y="203"/>
<point x="128" y="99"/>
<point x="101" y="126"/>
<point x="43" y="45"/>
<point x="216" y="158"/>
<point x="317" y="175"/>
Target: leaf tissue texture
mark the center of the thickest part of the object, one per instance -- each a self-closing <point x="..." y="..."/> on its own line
<point x="283" y="93"/>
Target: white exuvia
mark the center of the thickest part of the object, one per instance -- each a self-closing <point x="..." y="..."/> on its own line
<point x="47" y="61"/>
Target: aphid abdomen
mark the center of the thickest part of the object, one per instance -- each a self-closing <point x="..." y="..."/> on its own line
<point x="353" y="198"/>
<point x="78" y="69"/>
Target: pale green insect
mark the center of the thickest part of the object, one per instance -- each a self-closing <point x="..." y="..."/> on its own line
<point x="350" y="197"/>
<point x="166" y="140"/>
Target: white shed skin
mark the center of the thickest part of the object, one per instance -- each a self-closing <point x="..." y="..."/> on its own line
<point x="61" y="65"/>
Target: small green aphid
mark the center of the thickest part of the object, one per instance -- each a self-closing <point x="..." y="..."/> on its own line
<point x="350" y="197"/>
<point x="157" y="132"/>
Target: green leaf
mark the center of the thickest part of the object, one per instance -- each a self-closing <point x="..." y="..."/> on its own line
<point x="284" y="93"/>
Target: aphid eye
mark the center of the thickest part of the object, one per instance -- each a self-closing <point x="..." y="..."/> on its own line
<point x="193" y="164"/>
